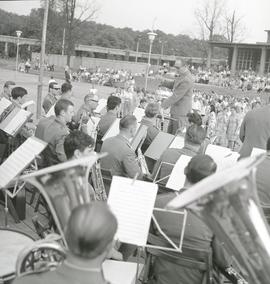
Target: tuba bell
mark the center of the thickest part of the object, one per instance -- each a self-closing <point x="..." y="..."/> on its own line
<point x="228" y="203"/>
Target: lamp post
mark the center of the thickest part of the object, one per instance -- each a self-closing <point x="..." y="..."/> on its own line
<point x="18" y="33"/>
<point x="137" y="49"/>
<point x="151" y="36"/>
<point x="162" y="50"/>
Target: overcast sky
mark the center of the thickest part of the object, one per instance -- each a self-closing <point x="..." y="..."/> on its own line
<point x="171" y="16"/>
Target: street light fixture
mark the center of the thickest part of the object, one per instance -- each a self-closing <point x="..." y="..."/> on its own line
<point x="18" y="33"/>
<point x="151" y="37"/>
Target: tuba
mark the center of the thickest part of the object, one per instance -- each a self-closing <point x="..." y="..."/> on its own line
<point x="228" y="203"/>
<point x="64" y="187"/>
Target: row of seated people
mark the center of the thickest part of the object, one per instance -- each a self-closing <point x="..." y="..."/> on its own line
<point x="127" y="164"/>
<point x="122" y="159"/>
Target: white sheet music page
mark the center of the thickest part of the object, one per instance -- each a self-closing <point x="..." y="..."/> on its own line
<point x="132" y="204"/>
<point x="50" y="112"/>
<point x="139" y="113"/>
<point x="113" y="130"/>
<point x="257" y="151"/>
<point x="17" y="121"/>
<point x="20" y="159"/>
<point x="101" y="105"/>
<point x="92" y="125"/>
<point x="4" y="104"/>
<point x="217" y="153"/>
<point x="178" y="142"/>
<point x="177" y="178"/>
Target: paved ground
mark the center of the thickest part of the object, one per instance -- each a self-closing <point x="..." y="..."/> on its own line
<point x="30" y="81"/>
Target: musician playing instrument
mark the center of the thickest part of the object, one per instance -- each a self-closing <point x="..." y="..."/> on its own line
<point x="52" y="97"/>
<point x="89" y="242"/>
<point x="194" y="138"/>
<point x="8" y="86"/>
<point x="121" y="159"/>
<point x="106" y="120"/>
<point x="87" y="109"/>
<point x="151" y="112"/>
<point x="197" y="235"/>
<point x="53" y="130"/>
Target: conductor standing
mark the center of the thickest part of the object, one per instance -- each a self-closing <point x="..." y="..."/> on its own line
<point x="181" y="100"/>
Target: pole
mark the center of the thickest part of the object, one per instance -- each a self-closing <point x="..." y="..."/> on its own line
<point x="63" y="42"/>
<point x="42" y="56"/>
<point x="17" y="58"/>
<point x="137" y="51"/>
<point x="148" y="65"/>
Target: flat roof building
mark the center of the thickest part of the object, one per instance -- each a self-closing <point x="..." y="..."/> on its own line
<point x="245" y="56"/>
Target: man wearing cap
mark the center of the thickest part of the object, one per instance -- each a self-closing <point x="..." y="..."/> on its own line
<point x="181" y="100"/>
<point x="89" y="243"/>
<point x="52" y="96"/>
<point x="7" y="90"/>
<point x="197" y="235"/>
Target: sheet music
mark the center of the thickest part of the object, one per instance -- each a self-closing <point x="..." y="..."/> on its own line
<point x="50" y="112"/>
<point x="178" y="142"/>
<point x="17" y="121"/>
<point x="177" y="178"/>
<point x="128" y="270"/>
<point x="139" y="136"/>
<point x="102" y="103"/>
<point x="159" y="145"/>
<point x="217" y="152"/>
<point x="26" y="104"/>
<point x="92" y="125"/>
<point x="132" y="204"/>
<point x="4" y="104"/>
<point x="113" y="130"/>
<point x="214" y="182"/>
<point x="139" y="113"/>
<point x="257" y="151"/>
<point x="20" y="159"/>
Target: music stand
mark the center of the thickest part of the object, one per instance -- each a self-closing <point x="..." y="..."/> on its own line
<point x="16" y="163"/>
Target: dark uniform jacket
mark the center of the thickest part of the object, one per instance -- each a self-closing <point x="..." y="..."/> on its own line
<point x="121" y="159"/>
<point x="53" y="131"/>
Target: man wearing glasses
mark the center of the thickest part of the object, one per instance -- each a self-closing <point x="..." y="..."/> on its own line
<point x="87" y="109"/>
<point x="52" y="97"/>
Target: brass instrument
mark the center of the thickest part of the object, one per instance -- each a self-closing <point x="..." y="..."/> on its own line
<point x="6" y="112"/>
<point x="64" y="187"/>
<point x="228" y="203"/>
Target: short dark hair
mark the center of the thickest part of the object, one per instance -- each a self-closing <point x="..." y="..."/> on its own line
<point x="62" y="104"/>
<point x="18" y="92"/>
<point x="143" y="101"/>
<point x="200" y="167"/>
<point x="127" y="121"/>
<point x="195" y="118"/>
<point x="151" y="110"/>
<point x="66" y="87"/>
<point x="52" y="84"/>
<point x="77" y="140"/>
<point x="113" y="102"/>
<point x="87" y="238"/>
<point x="9" y="83"/>
<point x="195" y="134"/>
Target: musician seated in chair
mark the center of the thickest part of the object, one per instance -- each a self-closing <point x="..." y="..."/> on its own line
<point x="121" y="159"/>
<point x="196" y="235"/>
<point x="87" y="109"/>
<point x="151" y="112"/>
<point x="194" y="138"/>
<point x="53" y="130"/>
<point x="106" y="120"/>
<point x="89" y="242"/>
